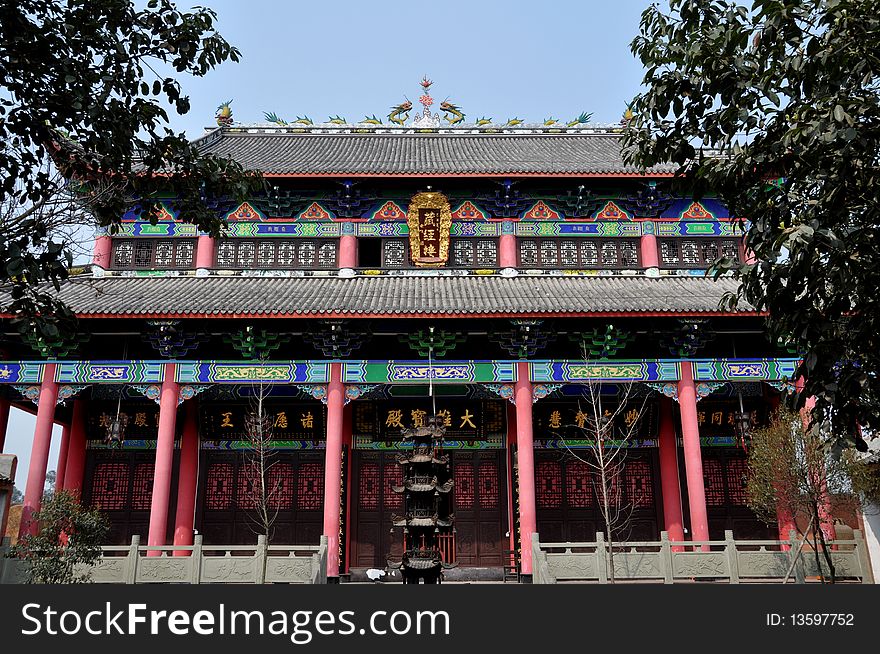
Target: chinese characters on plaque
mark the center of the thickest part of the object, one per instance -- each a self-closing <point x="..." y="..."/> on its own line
<point x="289" y="421"/>
<point x="463" y="419"/>
<point x="429" y="220"/>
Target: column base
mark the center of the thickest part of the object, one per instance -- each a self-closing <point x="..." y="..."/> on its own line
<point x="652" y="272"/>
<point x="346" y="272"/>
<point x="202" y="272"/>
<point x="332" y="580"/>
<point x="525" y="579"/>
<point x="509" y="272"/>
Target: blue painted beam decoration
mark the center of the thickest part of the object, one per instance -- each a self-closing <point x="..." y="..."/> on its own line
<point x="419" y="372"/>
<point x="584" y="371"/>
<point x="268" y="372"/>
<point x="613" y="228"/>
<point x="21" y="372"/>
<point x="745" y="369"/>
<point x="109" y="372"/>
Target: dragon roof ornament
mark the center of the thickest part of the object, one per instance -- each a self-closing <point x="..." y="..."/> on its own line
<point x="451" y="121"/>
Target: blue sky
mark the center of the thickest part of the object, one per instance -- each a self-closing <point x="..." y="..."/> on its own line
<point x="500" y="60"/>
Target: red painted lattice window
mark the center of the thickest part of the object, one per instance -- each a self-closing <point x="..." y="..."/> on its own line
<point x="464" y="486"/>
<point x="639" y="484"/>
<point x="577" y="485"/>
<point x="713" y="480"/>
<point x="368" y="487"/>
<point x="218" y="488"/>
<point x="548" y="478"/>
<point x="110" y="486"/>
<point x="737" y="474"/>
<point x="247" y="488"/>
<point x="488" y="476"/>
<point x="280" y="482"/>
<point x="142" y="487"/>
<point x="393" y="477"/>
<point x="310" y="486"/>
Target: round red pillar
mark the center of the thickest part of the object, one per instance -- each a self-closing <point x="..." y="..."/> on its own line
<point x="525" y="459"/>
<point x="164" y="460"/>
<point x="333" y="467"/>
<point x="61" y="470"/>
<point x="76" y="450"/>
<point x="347" y="251"/>
<point x="36" y="479"/>
<point x="669" y="481"/>
<point x="693" y="460"/>
<point x="4" y="420"/>
<point x="101" y="253"/>
<point x="507" y="246"/>
<point x="187" y="485"/>
<point x="205" y="252"/>
<point x="650" y="257"/>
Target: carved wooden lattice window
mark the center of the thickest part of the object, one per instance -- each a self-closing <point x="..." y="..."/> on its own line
<point x="247" y="487"/>
<point x="142" y="487"/>
<point x="464" y="485"/>
<point x="463" y="253"/>
<point x="110" y="486"/>
<point x="310" y="486"/>
<point x="578" y="489"/>
<point x="713" y="481"/>
<point x="548" y="479"/>
<point x="696" y="253"/>
<point x="639" y="484"/>
<point x="152" y="253"/>
<point x="218" y="487"/>
<point x="394" y="253"/>
<point x="488" y="479"/>
<point x="579" y="253"/>
<point x="393" y="477"/>
<point x="368" y="487"/>
<point x="276" y="254"/>
<point x="281" y="483"/>
<point x="737" y="474"/>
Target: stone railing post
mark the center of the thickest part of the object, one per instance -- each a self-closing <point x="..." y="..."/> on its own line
<point x="861" y="551"/>
<point x="666" y="557"/>
<point x="132" y="563"/>
<point x="196" y="560"/>
<point x="319" y="563"/>
<point x="260" y="559"/>
<point x="601" y="558"/>
<point x="796" y="554"/>
<point x="732" y="562"/>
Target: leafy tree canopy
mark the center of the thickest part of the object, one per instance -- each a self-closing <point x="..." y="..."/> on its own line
<point x="82" y="116"/>
<point x="787" y="91"/>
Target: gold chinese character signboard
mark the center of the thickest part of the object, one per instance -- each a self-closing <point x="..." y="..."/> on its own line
<point x="429" y="219"/>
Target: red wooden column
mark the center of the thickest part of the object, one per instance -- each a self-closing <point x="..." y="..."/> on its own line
<point x="826" y="520"/>
<point x="205" y="252"/>
<point x="76" y="451"/>
<point x="525" y="458"/>
<point x="61" y="470"/>
<point x="507" y="245"/>
<point x="164" y="460"/>
<point x="784" y="520"/>
<point x="511" y="439"/>
<point x="347" y="247"/>
<point x="650" y="256"/>
<point x="348" y="441"/>
<point x="36" y="479"/>
<point x="101" y="252"/>
<point x="693" y="460"/>
<point x="333" y="468"/>
<point x="187" y="485"/>
<point x="4" y="420"/>
<point x="669" y="482"/>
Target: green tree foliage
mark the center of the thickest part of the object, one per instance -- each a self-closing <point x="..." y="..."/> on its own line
<point x="82" y="116"/>
<point x="787" y="90"/>
<point x="791" y="474"/>
<point x="69" y="540"/>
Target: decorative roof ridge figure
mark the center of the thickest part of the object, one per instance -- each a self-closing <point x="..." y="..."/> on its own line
<point x="426" y="120"/>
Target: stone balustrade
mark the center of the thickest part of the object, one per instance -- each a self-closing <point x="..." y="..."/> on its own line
<point x="728" y="560"/>
<point x="198" y="564"/>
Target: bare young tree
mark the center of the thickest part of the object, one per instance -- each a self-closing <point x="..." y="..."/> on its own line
<point x="263" y="488"/>
<point x="608" y="428"/>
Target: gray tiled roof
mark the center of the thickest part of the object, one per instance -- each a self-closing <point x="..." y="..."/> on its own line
<point x="392" y="295"/>
<point x="282" y="153"/>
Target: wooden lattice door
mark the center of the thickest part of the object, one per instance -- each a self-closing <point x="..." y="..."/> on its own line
<point x="480" y="500"/>
<point x="373" y="503"/>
